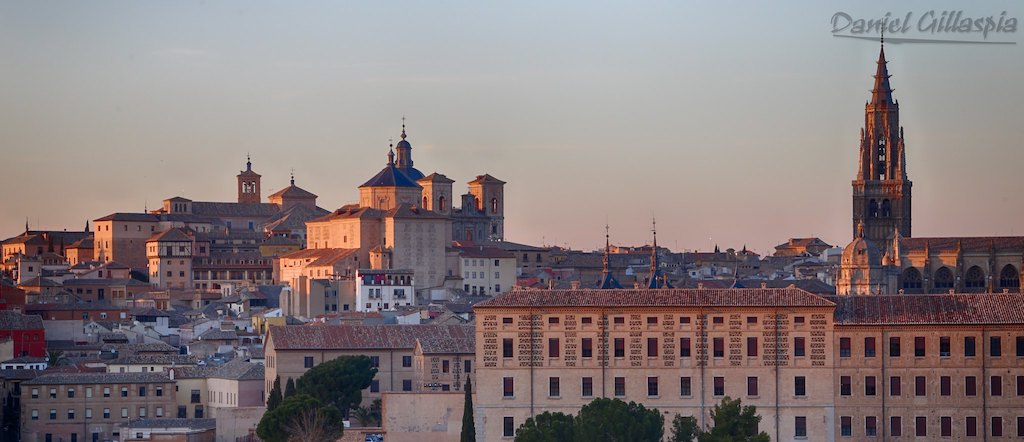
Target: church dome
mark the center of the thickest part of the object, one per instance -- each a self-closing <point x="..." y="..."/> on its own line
<point x="391" y="176"/>
<point x="861" y="252"/>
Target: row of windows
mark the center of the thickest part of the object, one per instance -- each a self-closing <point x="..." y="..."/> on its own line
<point x="467" y="364"/>
<point x="106" y="391"/>
<point x="71" y="413"/>
<point x="970" y="426"/>
<point x="970" y="346"/>
<point x="653" y="386"/>
<point x="970" y="386"/>
<point x="655" y="320"/>
<point x="468" y="274"/>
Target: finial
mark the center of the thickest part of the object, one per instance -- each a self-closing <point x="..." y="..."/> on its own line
<point x="403" y="127"/>
<point x="293" y="176"/>
<point x="248" y="162"/>
<point x="881" y="38"/>
<point x="26" y="224"/>
<point x="391" y="156"/>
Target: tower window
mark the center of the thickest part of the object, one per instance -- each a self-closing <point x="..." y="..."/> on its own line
<point x="872" y="209"/>
<point x="494" y="205"/>
<point x="440" y="203"/>
<point x="886" y="208"/>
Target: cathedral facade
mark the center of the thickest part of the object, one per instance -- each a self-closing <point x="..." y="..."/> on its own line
<point x="883" y="257"/>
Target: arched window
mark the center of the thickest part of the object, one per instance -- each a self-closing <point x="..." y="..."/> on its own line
<point x="886" y="208"/>
<point x="944" y="278"/>
<point x="440" y="203"/>
<point x="424" y="202"/>
<point x="494" y="206"/>
<point x="1009" y="278"/>
<point x="881" y="159"/>
<point x="975" y="278"/>
<point x="912" y="279"/>
<point x="872" y="209"/>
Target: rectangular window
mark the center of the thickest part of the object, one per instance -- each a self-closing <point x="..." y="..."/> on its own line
<point x="467" y="366"/>
<point x="142" y="391"/>
<point x="751" y="346"/>
<point x="800" y="427"/>
<point x="1020" y="346"/>
<point x="970" y="386"/>
<point x="375" y="361"/>
<point x="553" y="347"/>
<point x="406" y="384"/>
<point x="406" y="361"/>
<point x="35" y="393"/>
<point x="920" y="386"/>
<point x="159" y="411"/>
<point x="307" y="362"/>
<point x="71" y="413"/>
<point x="124" y="412"/>
<point x="182" y="412"/>
<point x="869" y="347"/>
<point x="652" y="320"/>
<point x="800" y="386"/>
<point x="587" y="348"/>
<point x="446" y="366"/>
<point x="506" y="348"/>
<point x="652" y="347"/>
<point x="997" y="385"/>
<point x="1020" y="426"/>
<point x="920" y="426"/>
<point x="684" y="319"/>
<point x="995" y="346"/>
<point x="124" y="391"/>
<point x="586" y="320"/>
<point x="1020" y="385"/>
<point x="159" y="391"/>
<point x="945" y="386"/>
<point x="896" y="426"/>
<point x="620" y="386"/>
<point x="799" y="348"/>
<point x="970" y="348"/>
<point x="870" y="426"/>
<point x="374" y="386"/>
<point x="652" y="386"/>
<point x="845" y="386"/>
<point x="684" y="386"/>
<point x="845" y="426"/>
<point x="944" y="347"/>
<point x="619" y="320"/>
<point x="53" y="414"/>
<point x="508" y="387"/>
<point x="946" y="426"/>
<point x="620" y="347"/>
<point x="751" y="320"/>
<point x="554" y="387"/>
<point x="719" y="347"/>
<point x="71" y="393"/>
<point x="508" y="428"/>
<point x="869" y="386"/>
<point x="553" y="320"/>
<point x="719" y="386"/>
<point x="53" y="393"/>
<point x="587" y="387"/>
<point x="844" y="347"/>
<point x="718" y="320"/>
<point x="894" y="347"/>
<point x="971" y="426"/>
<point x="751" y="385"/>
<point x="997" y="426"/>
<point x="919" y="345"/>
<point x="35" y="414"/>
<point x="195" y="397"/>
<point x="106" y="413"/>
<point x="684" y="347"/>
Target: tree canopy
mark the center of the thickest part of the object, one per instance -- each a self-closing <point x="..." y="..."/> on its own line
<point x="734" y="423"/>
<point x="547" y="427"/>
<point x="339" y="382"/>
<point x="294" y="413"/>
<point x="684" y="429"/>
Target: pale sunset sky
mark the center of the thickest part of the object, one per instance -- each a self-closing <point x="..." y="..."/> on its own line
<point x="731" y="122"/>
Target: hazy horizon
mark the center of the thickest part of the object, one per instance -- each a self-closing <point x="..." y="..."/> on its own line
<point x="731" y="125"/>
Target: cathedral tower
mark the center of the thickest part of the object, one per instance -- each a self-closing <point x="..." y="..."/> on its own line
<point x="248" y="184"/>
<point x="881" y="190"/>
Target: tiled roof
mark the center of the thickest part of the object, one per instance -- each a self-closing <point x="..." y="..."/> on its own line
<point x="361" y="337"/>
<point x="294" y="218"/>
<point x="194" y="371"/>
<point x="105" y="282"/>
<point x="350" y="211"/>
<point x="148" y="347"/>
<point x="390" y="176"/>
<point x="39" y="281"/>
<point x="483" y="252"/>
<point x="788" y="297"/>
<point x="218" y="335"/>
<point x="409" y="211"/>
<point x="191" y="424"/>
<point x="966" y="244"/>
<point x="175" y="234"/>
<point x="155" y="359"/>
<point x="135" y="217"/>
<point x="292" y="191"/>
<point x="20" y="374"/>
<point x="84" y="243"/>
<point x="240" y="370"/>
<point x="459" y="345"/>
<point x="486" y="179"/>
<point x="98" y="378"/>
<point x="11" y="320"/>
<point x="215" y="209"/>
<point x="321" y="257"/>
<point x="435" y="178"/>
<point x="981" y="308"/>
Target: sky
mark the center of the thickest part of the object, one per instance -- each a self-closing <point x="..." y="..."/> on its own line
<point x="732" y="123"/>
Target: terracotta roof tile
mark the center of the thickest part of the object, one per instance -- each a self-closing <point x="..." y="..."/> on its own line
<point x="787" y="297"/>
<point x="362" y="337"/>
<point x="981" y="308"/>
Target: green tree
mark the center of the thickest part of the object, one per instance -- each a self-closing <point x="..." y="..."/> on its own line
<point x="274" y="399"/>
<point x="56" y="358"/>
<point x="613" y="420"/>
<point x="368" y="416"/>
<point x="468" y="425"/>
<point x="734" y="423"/>
<point x="339" y="382"/>
<point x="547" y="427"/>
<point x="294" y="413"/>
<point x="684" y="429"/>
<point x="289" y="387"/>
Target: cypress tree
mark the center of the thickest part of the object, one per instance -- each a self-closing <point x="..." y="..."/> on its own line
<point x="275" y="398"/>
<point x="289" y="388"/>
<point x="468" y="427"/>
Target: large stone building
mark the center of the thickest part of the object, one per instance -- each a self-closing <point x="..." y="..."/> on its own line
<point x="816" y="368"/>
<point x="405" y="220"/>
<point x="883" y="257"/>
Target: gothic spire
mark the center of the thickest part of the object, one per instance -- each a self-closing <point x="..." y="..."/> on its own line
<point x="881" y="94"/>
<point x="608" y="280"/>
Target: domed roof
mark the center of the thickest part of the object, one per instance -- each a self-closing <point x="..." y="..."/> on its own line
<point x="391" y="176"/>
<point x="861" y="252"/>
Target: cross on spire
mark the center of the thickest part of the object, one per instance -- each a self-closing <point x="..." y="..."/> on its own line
<point x="403" y="127"/>
<point x="293" y="176"/>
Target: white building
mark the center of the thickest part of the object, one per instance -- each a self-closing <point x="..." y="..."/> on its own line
<point x="486" y="270"/>
<point x="378" y="290"/>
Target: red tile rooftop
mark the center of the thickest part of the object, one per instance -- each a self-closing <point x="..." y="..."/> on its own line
<point x="786" y="297"/>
